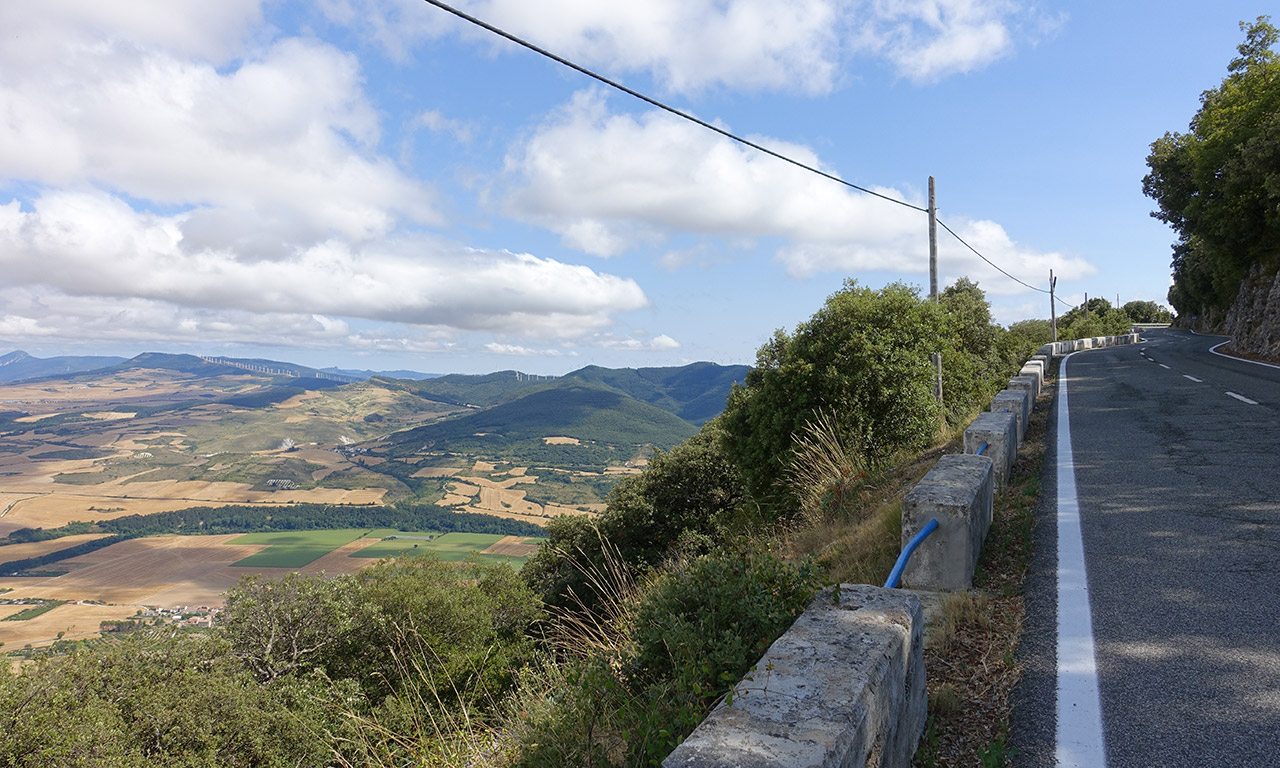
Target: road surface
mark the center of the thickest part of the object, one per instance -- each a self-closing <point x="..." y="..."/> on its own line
<point x="1175" y="456"/>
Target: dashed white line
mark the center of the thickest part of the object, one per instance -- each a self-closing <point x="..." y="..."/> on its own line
<point x="1242" y="398"/>
<point x="1193" y="378"/>
<point x="1167" y="368"/>
<point x="1079" y="734"/>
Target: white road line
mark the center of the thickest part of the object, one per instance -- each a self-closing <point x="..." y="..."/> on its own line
<point x="1242" y="398"/>
<point x="1167" y="368"/>
<point x="1214" y="350"/>
<point x="1193" y="378"/>
<point x="1079" y="737"/>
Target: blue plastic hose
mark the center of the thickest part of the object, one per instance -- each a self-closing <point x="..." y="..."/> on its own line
<point x="898" y="567"/>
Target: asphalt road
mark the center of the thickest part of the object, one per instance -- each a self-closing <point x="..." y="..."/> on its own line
<point x="1177" y="471"/>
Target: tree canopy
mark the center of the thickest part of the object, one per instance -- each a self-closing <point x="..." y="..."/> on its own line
<point x="1218" y="185"/>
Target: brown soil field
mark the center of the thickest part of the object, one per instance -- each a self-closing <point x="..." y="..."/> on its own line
<point x="561" y="441"/>
<point x="36" y="548"/>
<point x="437" y="472"/>
<point x="77" y="621"/>
<point x="512" y="546"/>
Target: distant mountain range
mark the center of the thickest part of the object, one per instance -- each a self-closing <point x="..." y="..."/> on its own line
<point x="18" y="366"/>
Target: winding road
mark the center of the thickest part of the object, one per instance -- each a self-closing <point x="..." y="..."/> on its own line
<point x="1153" y="602"/>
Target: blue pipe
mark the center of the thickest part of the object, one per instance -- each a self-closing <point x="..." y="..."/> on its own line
<point x="898" y="567"/>
<point x="981" y="448"/>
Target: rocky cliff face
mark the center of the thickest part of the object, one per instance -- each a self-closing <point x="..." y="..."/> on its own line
<point x="1253" y="321"/>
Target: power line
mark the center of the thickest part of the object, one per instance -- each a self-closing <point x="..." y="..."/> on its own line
<point x="994" y="265"/>
<point x="727" y="134"/>
<point x="659" y="104"/>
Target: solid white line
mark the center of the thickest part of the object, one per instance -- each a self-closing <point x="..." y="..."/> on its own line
<point x="1193" y="378"/>
<point x="1079" y="710"/>
<point x="1214" y="350"/>
<point x="1242" y="398"/>
<point x="1167" y="368"/>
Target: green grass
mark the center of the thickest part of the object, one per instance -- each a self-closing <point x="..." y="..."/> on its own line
<point x="451" y="547"/>
<point x="294" y="549"/>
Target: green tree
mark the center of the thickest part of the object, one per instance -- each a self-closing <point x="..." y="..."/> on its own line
<point x="1147" y="312"/>
<point x="1218" y="186"/>
<point x="863" y="357"/>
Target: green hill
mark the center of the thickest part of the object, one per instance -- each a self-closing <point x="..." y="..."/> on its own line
<point x="589" y="414"/>
<point x="695" y="392"/>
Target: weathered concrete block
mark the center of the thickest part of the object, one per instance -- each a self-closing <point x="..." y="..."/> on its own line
<point x="844" y="687"/>
<point x="1029" y="383"/>
<point x="958" y="493"/>
<point x="1034" y="369"/>
<point x="1000" y="432"/>
<point x="1017" y="402"/>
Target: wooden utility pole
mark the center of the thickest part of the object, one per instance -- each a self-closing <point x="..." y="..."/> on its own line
<point x="933" y="289"/>
<point x="933" y="244"/>
<point x="1053" y="304"/>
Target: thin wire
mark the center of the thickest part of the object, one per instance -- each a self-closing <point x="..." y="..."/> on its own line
<point x="648" y="100"/>
<point x="997" y="268"/>
<point x="658" y="104"/>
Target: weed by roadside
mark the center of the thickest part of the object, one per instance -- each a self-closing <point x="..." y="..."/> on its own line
<point x="969" y="652"/>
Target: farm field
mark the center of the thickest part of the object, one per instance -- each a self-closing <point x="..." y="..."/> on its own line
<point x="12" y="552"/>
<point x="75" y="621"/>
<point x="295" y="549"/>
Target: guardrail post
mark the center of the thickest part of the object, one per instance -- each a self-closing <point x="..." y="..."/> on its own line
<point x="1017" y="402"/>
<point x="958" y="493"/>
<point x="1000" y="432"/>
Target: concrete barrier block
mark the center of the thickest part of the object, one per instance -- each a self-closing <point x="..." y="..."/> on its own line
<point x="1033" y="368"/>
<point x="958" y="493"/>
<point x="843" y="687"/>
<point x="1017" y="402"/>
<point x="1043" y="359"/>
<point x="1029" y="383"/>
<point x="1000" y="432"/>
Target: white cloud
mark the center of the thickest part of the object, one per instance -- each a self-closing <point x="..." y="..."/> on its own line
<point x="637" y="342"/>
<point x="92" y="244"/>
<point x="622" y="179"/>
<point x="279" y="149"/>
<point x="690" y="45"/>
<point x="606" y="182"/>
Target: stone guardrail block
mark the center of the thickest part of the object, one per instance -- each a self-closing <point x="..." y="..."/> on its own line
<point x="1029" y="383"/>
<point x="843" y="687"/>
<point x="1017" y="402"/>
<point x="958" y="493"/>
<point x="1000" y="432"/>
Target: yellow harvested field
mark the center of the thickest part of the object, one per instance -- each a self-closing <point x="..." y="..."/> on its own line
<point x="52" y="509"/>
<point x="559" y="510"/>
<point x="37" y="548"/>
<point x="76" y="621"/>
<point x="484" y="482"/>
<point x="453" y="500"/>
<point x="462" y="489"/>
<point x="561" y="441"/>
<point x="110" y="415"/>
<point x="512" y="546"/>
<point x="35" y="418"/>
<point x="436" y="472"/>
<point x="517" y="471"/>
<point x="482" y="466"/>
<point x="499" y="500"/>
<point x="9" y="610"/>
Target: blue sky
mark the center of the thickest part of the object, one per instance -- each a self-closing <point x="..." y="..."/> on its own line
<point x="374" y="184"/>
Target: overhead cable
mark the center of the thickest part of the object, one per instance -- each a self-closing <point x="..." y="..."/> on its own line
<point x="660" y="105"/>
<point x="727" y="134"/>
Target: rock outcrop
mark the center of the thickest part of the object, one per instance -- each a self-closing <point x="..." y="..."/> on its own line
<point x="1253" y="322"/>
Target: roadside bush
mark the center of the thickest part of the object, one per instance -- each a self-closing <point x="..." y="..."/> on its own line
<point x="690" y="635"/>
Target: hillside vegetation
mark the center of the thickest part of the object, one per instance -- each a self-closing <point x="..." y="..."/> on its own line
<point x="1218" y="185"/>
<point x="618" y="635"/>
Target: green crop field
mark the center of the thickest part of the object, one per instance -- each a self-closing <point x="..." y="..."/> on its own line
<point x="451" y="547"/>
<point x="294" y="549"/>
